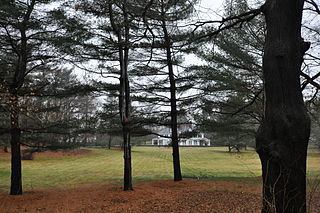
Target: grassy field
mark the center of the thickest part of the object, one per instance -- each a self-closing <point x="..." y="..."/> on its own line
<point x="149" y="163"/>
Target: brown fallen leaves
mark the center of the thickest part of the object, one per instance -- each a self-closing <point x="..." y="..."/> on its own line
<point x="157" y="196"/>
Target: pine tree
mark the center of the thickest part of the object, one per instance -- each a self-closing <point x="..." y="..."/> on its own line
<point x="109" y="120"/>
<point x="229" y="81"/>
<point x="166" y="39"/>
<point x="108" y="42"/>
<point x="56" y="113"/>
<point x="24" y="30"/>
<point x="283" y="135"/>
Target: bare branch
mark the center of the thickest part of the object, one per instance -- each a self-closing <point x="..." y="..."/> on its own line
<point x="248" y="104"/>
<point x="310" y="80"/>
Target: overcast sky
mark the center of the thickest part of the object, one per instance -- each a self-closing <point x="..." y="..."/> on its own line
<point x="211" y="7"/>
<point x="213" y="4"/>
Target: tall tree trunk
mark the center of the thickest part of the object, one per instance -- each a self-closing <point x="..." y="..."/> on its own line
<point x="173" y="105"/>
<point x="282" y="138"/>
<point x="125" y="110"/>
<point x="127" y="184"/>
<point x="124" y="104"/>
<point x="124" y="90"/>
<point x="174" y="133"/>
<point x="174" y="127"/>
<point x="16" y="181"/>
<point x="22" y="52"/>
<point x="127" y="104"/>
<point x="173" y="111"/>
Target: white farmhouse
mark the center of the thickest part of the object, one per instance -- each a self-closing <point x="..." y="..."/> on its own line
<point x="161" y="141"/>
<point x="200" y="140"/>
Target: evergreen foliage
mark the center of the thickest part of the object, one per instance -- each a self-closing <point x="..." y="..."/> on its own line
<point x="230" y="83"/>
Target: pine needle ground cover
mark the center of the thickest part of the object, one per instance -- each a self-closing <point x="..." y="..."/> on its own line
<point x="69" y="170"/>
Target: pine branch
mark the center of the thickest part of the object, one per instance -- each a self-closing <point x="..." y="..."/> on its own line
<point x="249" y="104"/>
<point x="225" y="23"/>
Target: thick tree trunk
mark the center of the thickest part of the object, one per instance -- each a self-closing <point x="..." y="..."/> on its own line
<point x="173" y="105"/>
<point x="126" y="130"/>
<point x="124" y="90"/>
<point x="23" y="51"/>
<point x="125" y="119"/>
<point x="174" y="128"/>
<point x="16" y="181"/>
<point x="175" y="145"/>
<point x="127" y="184"/>
<point x="282" y="138"/>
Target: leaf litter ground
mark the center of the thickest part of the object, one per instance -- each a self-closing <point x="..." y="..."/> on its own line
<point x="156" y="196"/>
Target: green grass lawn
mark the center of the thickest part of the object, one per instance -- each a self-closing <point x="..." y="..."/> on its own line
<point x="149" y="163"/>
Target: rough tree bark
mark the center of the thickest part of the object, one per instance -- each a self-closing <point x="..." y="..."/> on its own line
<point x="15" y="133"/>
<point x="124" y="90"/>
<point x="126" y="113"/>
<point x="126" y="117"/>
<point x="16" y="180"/>
<point x="282" y="138"/>
<point x="173" y="105"/>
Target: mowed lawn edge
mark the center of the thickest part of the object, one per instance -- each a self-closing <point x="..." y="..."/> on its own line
<point x="149" y="163"/>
